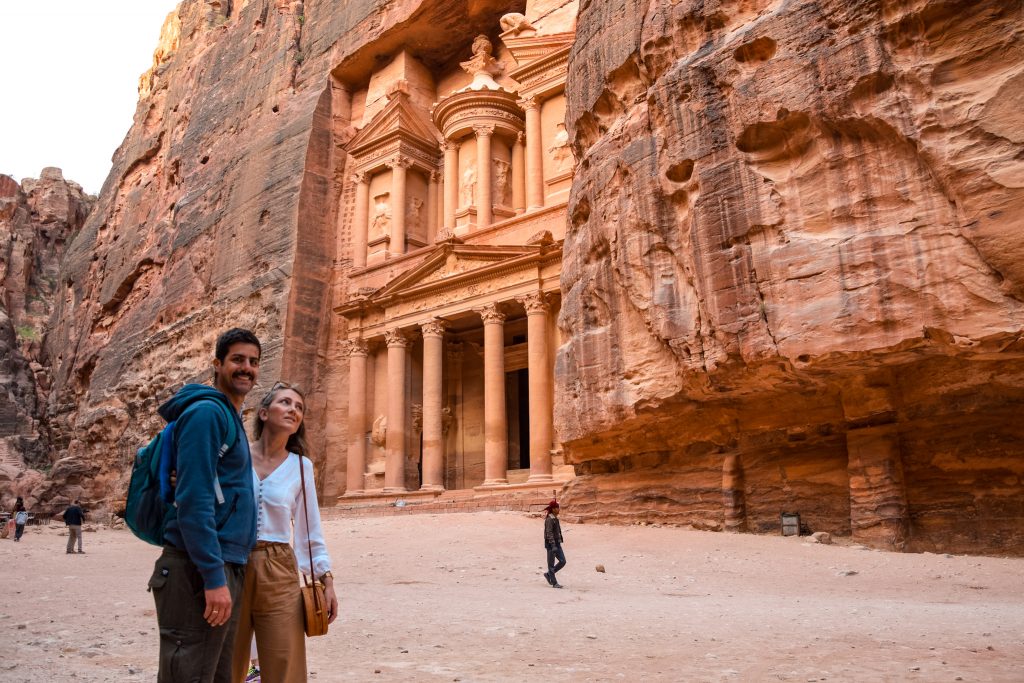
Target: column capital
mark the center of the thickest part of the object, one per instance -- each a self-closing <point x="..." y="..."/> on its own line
<point x="491" y="314"/>
<point x="520" y="138"/>
<point x="360" y="177"/>
<point x="399" y="161"/>
<point x="356" y="347"/>
<point x="535" y="303"/>
<point x="454" y="351"/>
<point x="484" y="130"/>
<point x="433" y="328"/>
<point x="529" y="103"/>
<point x="397" y="338"/>
<point x="435" y="176"/>
<point x="450" y="145"/>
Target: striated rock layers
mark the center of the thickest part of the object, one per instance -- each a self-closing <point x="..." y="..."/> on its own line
<point x="37" y="219"/>
<point x="794" y="273"/>
<point x="220" y="210"/>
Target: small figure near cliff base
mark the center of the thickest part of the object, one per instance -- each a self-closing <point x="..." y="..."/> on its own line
<point x="553" y="543"/>
<point x="20" y="519"/>
<point x="73" y="518"/>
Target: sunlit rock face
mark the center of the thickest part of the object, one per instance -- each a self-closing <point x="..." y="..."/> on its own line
<point x="794" y="270"/>
<point x="38" y="217"/>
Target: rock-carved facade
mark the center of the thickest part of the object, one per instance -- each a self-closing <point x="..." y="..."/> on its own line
<point x="460" y="177"/>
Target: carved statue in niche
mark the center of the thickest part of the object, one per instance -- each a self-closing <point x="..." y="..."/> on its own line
<point x="559" y="149"/>
<point x="380" y="431"/>
<point x="415" y="219"/>
<point x="467" y="189"/>
<point x="502" y="182"/>
<point x="483" y="66"/>
<point x="381" y="225"/>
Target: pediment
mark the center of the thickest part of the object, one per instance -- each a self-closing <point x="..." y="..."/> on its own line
<point x="527" y="50"/>
<point x="399" y="119"/>
<point x="451" y="262"/>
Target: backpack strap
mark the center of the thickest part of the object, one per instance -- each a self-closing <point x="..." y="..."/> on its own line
<point x="229" y="441"/>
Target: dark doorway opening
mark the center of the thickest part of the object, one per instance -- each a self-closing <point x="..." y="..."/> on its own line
<point x="523" y="396"/>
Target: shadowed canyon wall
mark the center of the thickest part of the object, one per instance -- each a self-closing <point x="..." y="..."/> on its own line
<point x="793" y="276"/>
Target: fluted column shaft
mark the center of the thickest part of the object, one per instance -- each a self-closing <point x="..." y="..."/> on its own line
<point x="360" y="220"/>
<point x="495" y="419"/>
<point x="394" y="440"/>
<point x="519" y="174"/>
<point x="539" y="370"/>
<point x="484" y="202"/>
<point x="398" y="178"/>
<point x="451" y="183"/>
<point x="433" y="432"/>
<point x="356" y="464"/>
<point x="534" y="155"/>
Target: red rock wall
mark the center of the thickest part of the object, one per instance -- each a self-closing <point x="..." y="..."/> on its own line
<point x="793" y="279"/>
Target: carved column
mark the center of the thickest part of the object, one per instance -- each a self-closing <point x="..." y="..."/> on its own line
<point x="360" y="219"/>
<point x="451" y="183"/>
<point x="398" y="171"/>
<point x="356" y="416"/>
<point x="519" y="174"/>
<point x="433" y="429"/>
<point x="484" y="202"/>
<point x="455" y="453"/>
<point x="495" y="419"/>
<point x="432" y="207"/>
<point x="733" y="493"/>
<point x="534" y="154"/>
<point x="537" y="313"/>
<point x="394" y="443"/>
<point x="878" y="494"/>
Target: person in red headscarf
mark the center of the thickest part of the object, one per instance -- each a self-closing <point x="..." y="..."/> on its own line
<point x="553" y="543"/>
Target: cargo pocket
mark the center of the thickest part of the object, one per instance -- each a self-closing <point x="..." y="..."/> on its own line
<point x="182" y="657"/>
<point x="158" y="580"/>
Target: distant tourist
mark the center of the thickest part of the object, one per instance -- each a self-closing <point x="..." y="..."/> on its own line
<point x="212" y="527"/>
<point x="73" y="518"/>
<point x="288" y="532"/>
<point x="553" y="543"/>
<point x="20" y="519"/>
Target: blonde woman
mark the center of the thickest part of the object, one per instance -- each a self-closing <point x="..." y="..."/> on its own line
<point x="271" y="602"/>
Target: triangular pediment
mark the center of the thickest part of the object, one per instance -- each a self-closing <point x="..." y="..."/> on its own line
<point x="450" y="262"/>
<point x="527" y="50"/>
<point x="399" y="119"/>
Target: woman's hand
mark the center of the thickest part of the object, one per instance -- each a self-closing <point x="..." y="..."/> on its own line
<point x="332" y="601"/>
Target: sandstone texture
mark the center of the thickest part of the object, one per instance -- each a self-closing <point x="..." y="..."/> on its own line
<point x="793" y="276"/>
<point x="37" y="219"/>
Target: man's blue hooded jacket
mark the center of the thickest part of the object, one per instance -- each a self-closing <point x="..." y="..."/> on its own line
<point x="211" y="532"/>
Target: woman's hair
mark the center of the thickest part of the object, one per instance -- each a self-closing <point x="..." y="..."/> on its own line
<point x="297" y="441"/>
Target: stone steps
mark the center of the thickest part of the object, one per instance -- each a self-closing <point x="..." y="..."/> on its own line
<point x="9" y="457"/>
<point x="465" y="500"/>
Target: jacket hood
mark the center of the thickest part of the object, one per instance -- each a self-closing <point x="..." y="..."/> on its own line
<point x="189" y="394"/>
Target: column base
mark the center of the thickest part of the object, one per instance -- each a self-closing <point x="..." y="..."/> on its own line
<point x="436" y="488"/>
<point x="492" y="482"/>
<point x="540" y="479"/>
<point x="358" y="492"/>
<point x="394" y="489"/>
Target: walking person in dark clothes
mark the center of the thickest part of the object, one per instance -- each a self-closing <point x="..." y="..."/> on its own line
<point x="20" y="519"/>
<point x="73" y="518"/>
<point x="553" y="543"/>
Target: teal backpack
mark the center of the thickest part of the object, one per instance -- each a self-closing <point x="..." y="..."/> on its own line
<point x="151" y="489"/>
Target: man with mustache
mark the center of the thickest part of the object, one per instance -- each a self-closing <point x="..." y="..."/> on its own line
<point x="197" y="580"/>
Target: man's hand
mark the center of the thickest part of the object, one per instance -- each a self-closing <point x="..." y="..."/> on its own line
<point x="218" y="606"/>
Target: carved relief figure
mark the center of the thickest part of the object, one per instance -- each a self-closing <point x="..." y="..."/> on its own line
<point x="415" y="220"/>
<point x="381" y="224"/>
<point x="380" y="431"/>
<point x="502" y="182"/>
<point x="515" y="22"/>
<point x="559" y="149"/>
<point x="467" y="189"/>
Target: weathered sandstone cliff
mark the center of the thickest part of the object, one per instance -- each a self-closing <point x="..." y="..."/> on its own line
<point x="794" y="274"/>
<point x="37" y="219"/>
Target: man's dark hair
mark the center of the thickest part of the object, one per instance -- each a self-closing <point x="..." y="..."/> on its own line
<point x="236" y="335"/>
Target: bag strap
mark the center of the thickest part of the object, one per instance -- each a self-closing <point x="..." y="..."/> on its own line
<point x="305" y="511"/>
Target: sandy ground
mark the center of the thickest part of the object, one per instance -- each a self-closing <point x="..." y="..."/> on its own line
<point x="461" y="598"/>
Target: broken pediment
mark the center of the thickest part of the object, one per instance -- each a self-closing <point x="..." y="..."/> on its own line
<point x="399" y="121"/>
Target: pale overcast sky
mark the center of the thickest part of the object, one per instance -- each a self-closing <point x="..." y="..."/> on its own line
<point x="69" y="74"/>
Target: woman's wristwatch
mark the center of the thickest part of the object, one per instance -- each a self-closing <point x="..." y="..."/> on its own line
<point x="325" y="575"/>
